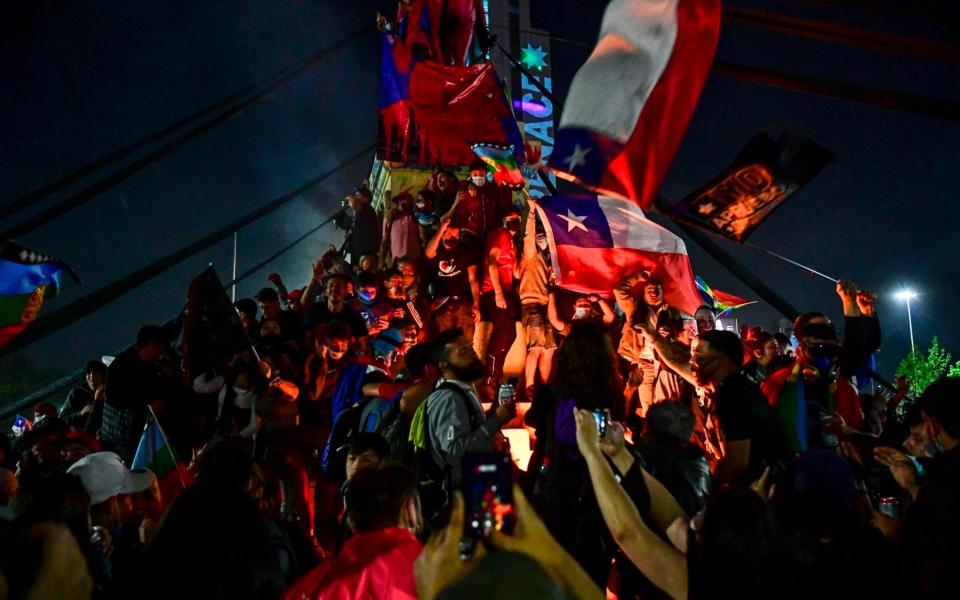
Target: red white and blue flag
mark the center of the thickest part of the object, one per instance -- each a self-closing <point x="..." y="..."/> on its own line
<point x="596" y="242"/>
<point x="631" y="102"/>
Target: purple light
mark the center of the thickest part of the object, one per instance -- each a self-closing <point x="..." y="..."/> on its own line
<point x="533" y="108"/>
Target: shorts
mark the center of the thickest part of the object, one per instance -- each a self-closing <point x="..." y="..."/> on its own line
<point x="538" y="333"/>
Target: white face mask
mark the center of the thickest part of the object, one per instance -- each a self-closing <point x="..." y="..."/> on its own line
<point x="335" y="354"/>
<point x="542" y="243"/>
<point x="244" y="398"/>
<point x="478" y="181"/>
<point x="581" y="313"/>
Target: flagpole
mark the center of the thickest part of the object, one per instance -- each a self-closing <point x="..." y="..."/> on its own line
<point x="233" y="287"/>
<point x="789" y="261"/>
<point x="169" y="446"/>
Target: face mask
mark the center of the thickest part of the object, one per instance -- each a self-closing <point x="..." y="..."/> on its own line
<point x="581" y="313"/>
<point x="335" y="354"/>
<point x="478" y="181"/>
<point x="934" y="447"/>
<point x="542" y="243"/>
<point x="512" y="225"/>
<point x="823" y="364"/>
<point x="426" y="219"/>
<point x="244" y="398"/>
<point x="366" y="297"/>
<point x="451" y="243"/>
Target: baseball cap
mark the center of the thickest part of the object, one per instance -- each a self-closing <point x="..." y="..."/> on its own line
<point x="104" y="476"/>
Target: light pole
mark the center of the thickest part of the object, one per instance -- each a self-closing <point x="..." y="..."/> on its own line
<point x="907" y="295"/>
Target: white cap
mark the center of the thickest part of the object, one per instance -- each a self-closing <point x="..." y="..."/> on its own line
<point x="104" y="476"/>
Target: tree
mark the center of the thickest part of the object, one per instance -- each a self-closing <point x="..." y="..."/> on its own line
<point x="922" y="370"/>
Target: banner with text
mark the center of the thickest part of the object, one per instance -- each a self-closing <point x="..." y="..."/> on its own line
<point x="760" y="179"/>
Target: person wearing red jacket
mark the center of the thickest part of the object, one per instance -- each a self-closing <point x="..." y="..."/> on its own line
<point x="383" y="511"/>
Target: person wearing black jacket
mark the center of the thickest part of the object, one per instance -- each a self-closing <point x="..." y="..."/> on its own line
<point x="73" y="409"/>
<point x="129" y="390"/>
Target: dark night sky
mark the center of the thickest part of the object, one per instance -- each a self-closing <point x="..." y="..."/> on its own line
<point x="80" y="79"/>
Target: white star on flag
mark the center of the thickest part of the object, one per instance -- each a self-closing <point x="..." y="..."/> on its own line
<point x="579" y="157"/>
<point x="573" y="221"/>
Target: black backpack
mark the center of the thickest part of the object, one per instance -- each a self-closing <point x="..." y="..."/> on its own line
<point x="433" y="479"/>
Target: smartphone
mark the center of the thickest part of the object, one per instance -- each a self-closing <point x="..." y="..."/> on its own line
<point x="488" y="498"/>
<point x="601" y="418"/>
<point x="505" y="394"/>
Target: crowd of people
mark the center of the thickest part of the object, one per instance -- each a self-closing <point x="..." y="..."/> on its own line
<point x="669" y="457"/>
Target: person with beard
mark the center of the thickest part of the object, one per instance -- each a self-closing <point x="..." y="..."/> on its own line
<point x="750" y="435"/>
<point x="401" y="231"/>
<point x="455" y="419"/>
<point x="456" y="289"/>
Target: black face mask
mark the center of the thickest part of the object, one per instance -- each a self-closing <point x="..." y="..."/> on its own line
<point x="827" y="351"/>
<point x="451" y="243"/>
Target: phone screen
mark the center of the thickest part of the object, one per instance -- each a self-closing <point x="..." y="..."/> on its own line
<point x="488" y="497"/>
<point x="601" y="418"/>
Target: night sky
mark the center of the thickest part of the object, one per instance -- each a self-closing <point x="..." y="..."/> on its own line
<point x="81" y="79"/>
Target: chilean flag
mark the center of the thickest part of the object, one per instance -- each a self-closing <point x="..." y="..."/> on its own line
<point x="631" y="102"/>
<point x="596" y="242"/>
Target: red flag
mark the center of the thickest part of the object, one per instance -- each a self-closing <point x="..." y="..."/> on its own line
<point x="431" y="114"/>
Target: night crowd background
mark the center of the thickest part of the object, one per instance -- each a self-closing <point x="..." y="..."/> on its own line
<point x="321" y="462"/>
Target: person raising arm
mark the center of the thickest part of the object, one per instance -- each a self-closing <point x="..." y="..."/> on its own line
<point x="659" y="561"/>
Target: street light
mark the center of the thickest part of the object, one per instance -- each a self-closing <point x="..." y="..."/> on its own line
<point x="907" y="295"/>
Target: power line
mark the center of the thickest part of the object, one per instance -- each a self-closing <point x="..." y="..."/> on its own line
<point x="93" y="301"/>
<point x="896" y="8"/>
<point x="930" y="107"/>
<point x="283" y="250"/>
<point x="97" y="188"/>
<point x="842" y="34"/>
<point x="32" y="197"/>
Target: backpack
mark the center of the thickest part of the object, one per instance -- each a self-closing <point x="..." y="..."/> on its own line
<point x="432" y="479"/>
<point x="395" y="429"/>
<point x="347" y="396"/>
<point x="376" y="411"/>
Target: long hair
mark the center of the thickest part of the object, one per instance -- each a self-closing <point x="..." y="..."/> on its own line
<point x="586" y="369"/>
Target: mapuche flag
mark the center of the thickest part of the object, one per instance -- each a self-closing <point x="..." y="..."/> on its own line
<point x="631" y="102"/>
<point x="597" y="242"/>
<point x="431" y="114"/>
<point x="501" y="163"/>
<point x="27" y="278"/>
<point x="154" y="452"/>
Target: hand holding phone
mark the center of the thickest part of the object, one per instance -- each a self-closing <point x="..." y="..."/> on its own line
<point x="488" y="498"/>
<point x="601" y="418"/>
